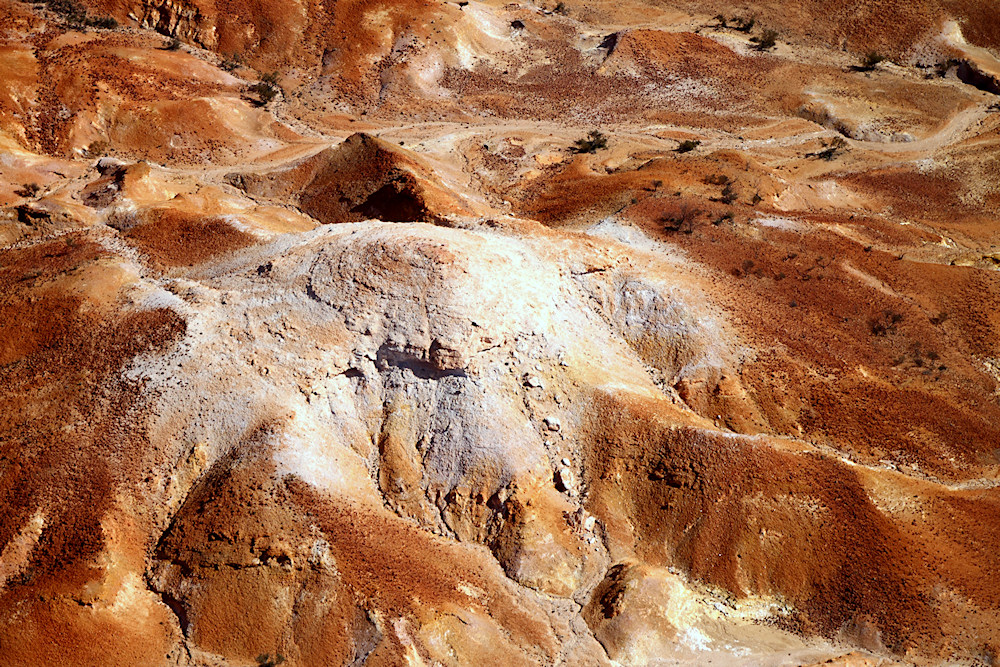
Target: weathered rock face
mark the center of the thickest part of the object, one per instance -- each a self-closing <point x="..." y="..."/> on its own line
<point x="408" y="366"/>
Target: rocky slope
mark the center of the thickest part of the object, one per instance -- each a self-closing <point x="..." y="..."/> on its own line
<point x="473" y="333"/>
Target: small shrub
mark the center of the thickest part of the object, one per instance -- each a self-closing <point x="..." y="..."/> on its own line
<point x="96" y="149"/>
<point x="766" y="41"/>
<point x="716" y="179"/>
<point x="680" y="219"/>
<point x="831" y="149"/>
<point x="721" y="20"/>
<point x="28" y="190"/>
<point x="265" y="660"/>
<point x="560" y="8"/>
<point x="63" y="6"/>
<point x="270" y="78"/>
<point x="725" y="217"/>
<point x="688" y="145"/>
<point x="72" y="13"/>
<point x="728" y="194"/>
<point x="744" y="25"/>
<point x="885" y="323"/>
<point x="594" y="142"/>
<point x="231" y="62"/>
<point x="265" y="92"/>
<point x="106" y="22"/>
<point x="173" y="45"/>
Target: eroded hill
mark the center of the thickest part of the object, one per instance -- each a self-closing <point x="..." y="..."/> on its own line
<point x="499" y="333"/>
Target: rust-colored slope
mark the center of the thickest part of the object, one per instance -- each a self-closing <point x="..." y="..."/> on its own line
<point x="72" y="441"/>
<point x="759" y="519"/>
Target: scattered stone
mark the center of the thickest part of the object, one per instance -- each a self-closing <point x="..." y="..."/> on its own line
<point x="552" y="423"/>
<point x="565" y="480"/>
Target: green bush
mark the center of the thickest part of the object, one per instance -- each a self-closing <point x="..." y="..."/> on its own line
<point x="97" y="149"/>
<point x="688" y="145"/>
<point x="728" y="194"/>
<point x="885" y="323"/>
<point x="106" y="22"/>
<point x="72" y="13"/>
<point x="76" y="16"/>
<point x="831" y="149"/>
<point x="680" y="218"/>
<point x="266" y="92"/>
<point x="594" y="142"/>
<point x="28" y="190"/>
<point x="766" y="41"/>
<point x="231" y="62"/>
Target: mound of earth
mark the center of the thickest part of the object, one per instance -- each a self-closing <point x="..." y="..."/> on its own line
<point x="589" y="333"/>
<point x="362" y="178"/>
